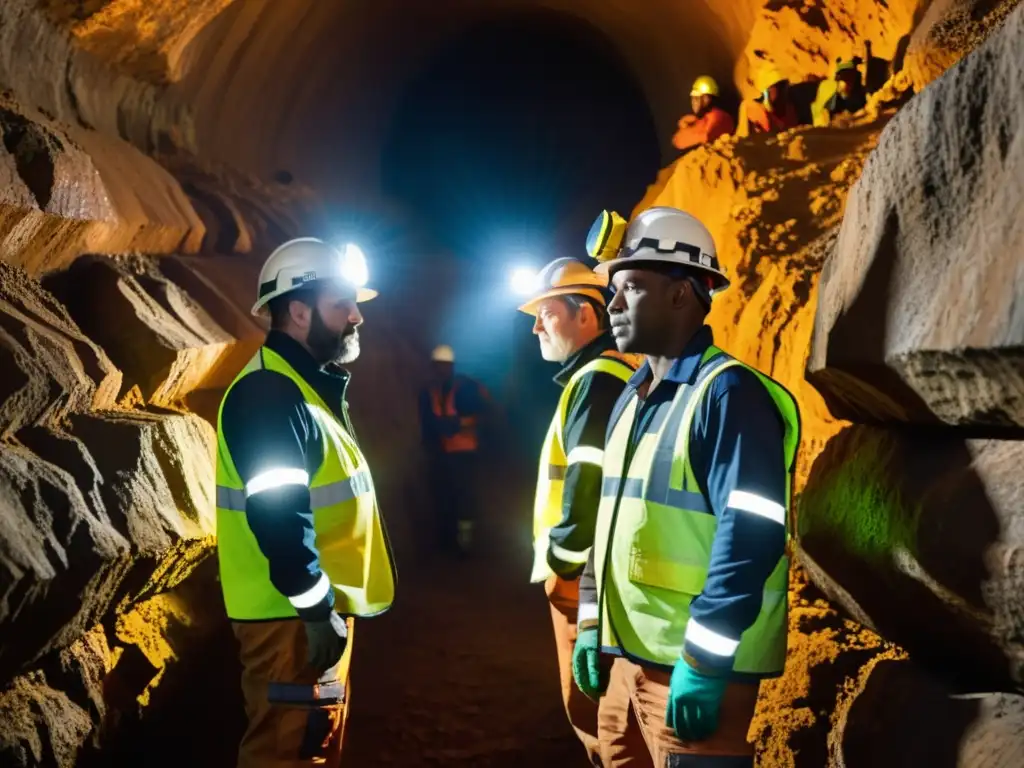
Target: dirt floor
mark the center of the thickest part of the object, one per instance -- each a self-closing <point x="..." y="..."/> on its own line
<point x="462" y="672"/>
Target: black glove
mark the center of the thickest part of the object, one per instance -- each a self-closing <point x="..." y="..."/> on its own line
<point x="325" y="642"/>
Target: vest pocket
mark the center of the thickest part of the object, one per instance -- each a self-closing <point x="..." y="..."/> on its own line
<point x="669" y="556"/>
<point x="671" y="549"/>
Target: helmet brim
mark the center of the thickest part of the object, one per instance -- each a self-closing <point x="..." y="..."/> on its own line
<point x="362" y="294"/>
<point x="531" y="307"/>
<point x="721" y="282"/>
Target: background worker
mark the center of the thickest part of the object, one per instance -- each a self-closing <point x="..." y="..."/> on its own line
<point x="773" y="111"/>
<point x="686" y="585"/>
<point x="300" y="541"/>
<point x="708" y="121"/>
<point x="844" y="93"/>
<point x="572" y="330"/>
<point x="452" y="411"/>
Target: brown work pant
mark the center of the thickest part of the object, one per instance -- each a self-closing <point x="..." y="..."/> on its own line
<point x="632" y="730"/>
<point x="564" y="597"/>
<point x="296" y="717"/>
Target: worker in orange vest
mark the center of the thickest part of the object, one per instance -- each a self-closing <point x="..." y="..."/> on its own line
<point x="773" y="111"/>
<point x="708" y="121"/>
<point x="452" y="409"/>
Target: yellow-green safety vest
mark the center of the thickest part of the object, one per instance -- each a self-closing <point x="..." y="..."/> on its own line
<point x="655" y="530"/>
<point x="350" y="536"/>
<point x="547" y="504"/>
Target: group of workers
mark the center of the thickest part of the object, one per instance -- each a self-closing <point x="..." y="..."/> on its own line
<point x="660" y="521"/>
<point x="773" y="110"/>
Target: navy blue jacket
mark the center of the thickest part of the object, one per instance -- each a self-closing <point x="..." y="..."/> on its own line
<point x="736" y="443"/>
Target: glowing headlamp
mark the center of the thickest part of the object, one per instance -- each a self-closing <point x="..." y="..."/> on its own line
<point x="353" y="266"/>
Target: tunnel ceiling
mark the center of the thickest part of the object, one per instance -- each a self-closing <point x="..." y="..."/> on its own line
<point x="311" y="86"/>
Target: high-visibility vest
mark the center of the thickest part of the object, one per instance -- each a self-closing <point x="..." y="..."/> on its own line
<point x="355" y="554"/>
<point x="547" y="504"/>
<point x="466" y="438"/>
<point x="655" y="530"/>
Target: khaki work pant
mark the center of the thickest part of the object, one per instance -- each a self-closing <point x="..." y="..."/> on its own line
<point x="296" y="717"/>
<point x="564" y="597"/>
<point x="632" y="730"/>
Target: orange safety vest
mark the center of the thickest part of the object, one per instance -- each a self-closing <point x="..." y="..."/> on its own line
<point x="466" y="438"/>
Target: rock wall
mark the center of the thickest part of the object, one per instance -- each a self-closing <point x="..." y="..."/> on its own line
<point x="915" y="524"/>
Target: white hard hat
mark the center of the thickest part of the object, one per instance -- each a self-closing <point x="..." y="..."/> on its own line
<point x="566" y="277"/>
<point x="670" y="236"/>
<point x="443" y="354"/>
<point x="306" y="259"/>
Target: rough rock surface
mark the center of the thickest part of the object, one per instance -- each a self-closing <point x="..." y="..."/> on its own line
<point x="817" y="32"/>
<point x="69" y="191"/>
<point x="919" y="317"/>
<point x="100" y="686"/>
<point x="949" y="29"/>
<point x="772" y="205"/>
<point x="49" y="366"/>
<point x="99" y="504"/>
<point x="922" y="537"/>
<point x="119" y="506"/>
<point x="145" y="37"/>
<point x="162" y="339"/>
<point x="898" y="716"/>
<point x="828" y="654"/>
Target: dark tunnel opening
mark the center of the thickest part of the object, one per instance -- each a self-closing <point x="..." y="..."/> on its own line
<point x="507" y="144"/>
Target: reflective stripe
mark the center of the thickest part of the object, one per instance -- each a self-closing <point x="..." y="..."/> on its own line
<point x="585" y="454"/>
<point x="319" y="497"/>
<point x="340" y="491"/>
<point x="568" y="556"/>
<point x="318" y="694"/>
<point x="688" y="500"/>
<point x="712" y="642"/>
<point x="230" y="498"/>
<point x="275" y="478"/>
<point x="633" y="488"/>
<point x="312" y="596"/>
<point x="556" y="472"/>
<point x="587" y="612"/>
<point x="758" y="505"/>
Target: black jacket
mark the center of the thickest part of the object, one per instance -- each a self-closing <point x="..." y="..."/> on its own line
<point x="266" y="425"/>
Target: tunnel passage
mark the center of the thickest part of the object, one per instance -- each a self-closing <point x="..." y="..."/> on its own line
<point x="173" y="143"/>
<point x="506" y="144"/>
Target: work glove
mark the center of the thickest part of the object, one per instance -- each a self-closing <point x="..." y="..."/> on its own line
<point x="586" y="664"/>
<point x="325" y="641"/>
<point x="694" y="699"/>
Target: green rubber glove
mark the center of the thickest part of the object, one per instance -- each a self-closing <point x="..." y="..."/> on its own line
<point x="586" y="664"/>
<point x="693" y="702"/>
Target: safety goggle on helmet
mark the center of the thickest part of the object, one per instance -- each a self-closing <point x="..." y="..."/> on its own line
<point x="661" y="235"/>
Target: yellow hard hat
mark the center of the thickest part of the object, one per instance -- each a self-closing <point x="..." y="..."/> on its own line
<point x="769" y="77"/>
<point x="443" y="354"/>
<point x="566" y="277"/>
<point x="704" y="85"/>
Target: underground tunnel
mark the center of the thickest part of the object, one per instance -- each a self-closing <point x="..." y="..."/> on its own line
<point x="157" y="152"/>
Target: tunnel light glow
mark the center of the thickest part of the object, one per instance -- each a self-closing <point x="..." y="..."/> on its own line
<point x="523" y="281"/>
<point x="353" y="265"/>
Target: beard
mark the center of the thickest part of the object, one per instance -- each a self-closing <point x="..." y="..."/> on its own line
<point x="330" y="346"/>
<point x="555" y="350"/>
